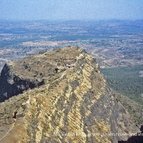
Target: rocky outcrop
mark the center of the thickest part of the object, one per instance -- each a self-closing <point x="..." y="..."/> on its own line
<point x="12" y="84"/>
<point x="74" y="105"/>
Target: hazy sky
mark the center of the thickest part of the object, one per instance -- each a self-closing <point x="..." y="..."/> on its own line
<point x="71" y="9"/>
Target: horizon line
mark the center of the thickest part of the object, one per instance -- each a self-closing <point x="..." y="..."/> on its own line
<point x="54" y="20"/>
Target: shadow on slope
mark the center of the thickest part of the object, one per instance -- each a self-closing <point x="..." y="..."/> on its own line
<point x="135" y="139"/>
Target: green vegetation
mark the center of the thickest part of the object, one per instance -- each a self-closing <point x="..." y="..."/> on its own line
<point x="126" y="80"/>
<point x="132" y="107"/>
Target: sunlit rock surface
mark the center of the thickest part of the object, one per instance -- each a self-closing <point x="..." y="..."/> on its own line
<point x="69" y="101"/>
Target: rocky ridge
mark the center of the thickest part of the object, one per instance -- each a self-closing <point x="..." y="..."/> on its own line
<point x="68" y="102"/>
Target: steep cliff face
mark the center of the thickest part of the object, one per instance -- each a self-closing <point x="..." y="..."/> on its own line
<point x="73" y="105"/>
<point x="12" y="84"/>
